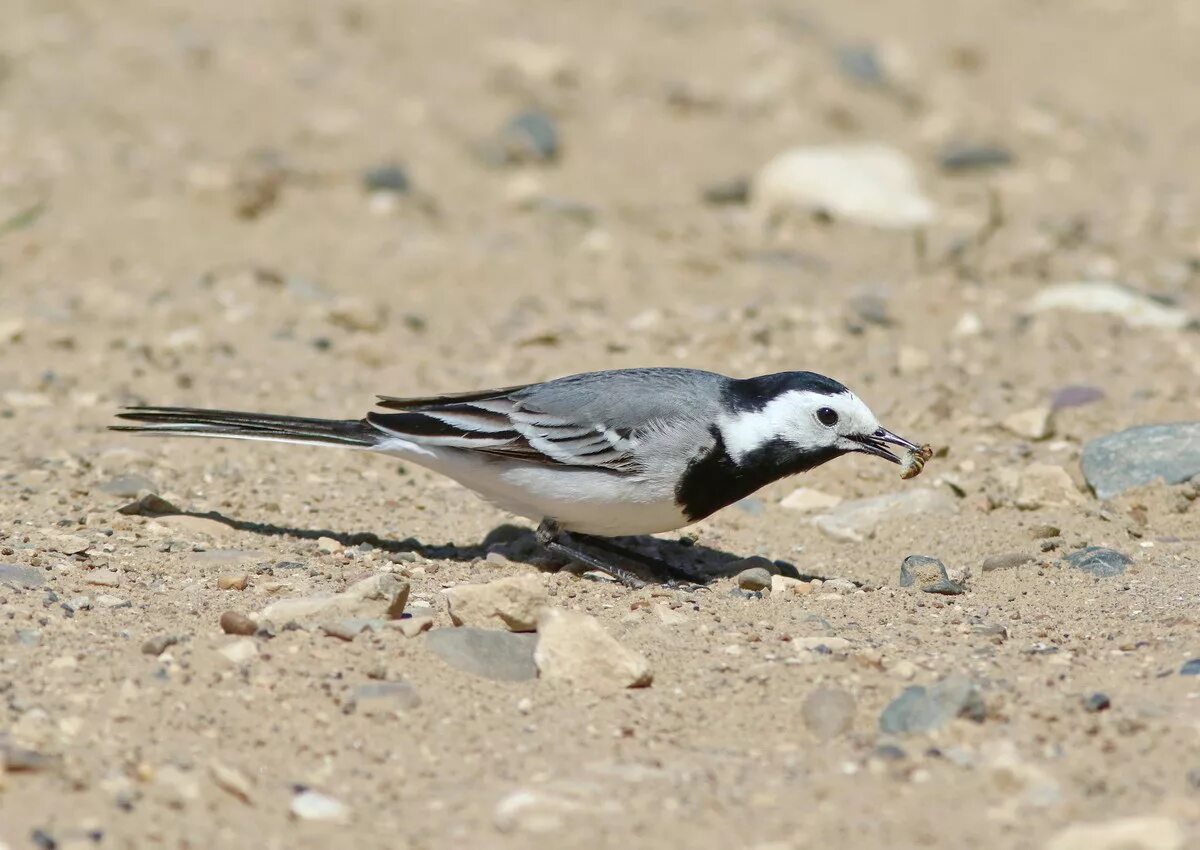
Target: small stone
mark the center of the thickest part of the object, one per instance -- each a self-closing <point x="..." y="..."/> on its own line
<point x="27" y="637"/>
<point x="929" y="575"/>
<point x="413" y="626"/>
<point x="1190" y="668"/>
<point x="19" y="577"/>
<point x="148" y="504"/>
<point x="1138" y="456"/>
<point x="788" y="586"/>
<point x="15" y="759"/>
<point x="177" y="786"/>
<point x="240" y="651"/>
<point x="868" y="184"/>
<point x="538" y="811"/>
<point x="1134" y="308"/>
<point x="233" y="582"/>
<point x="351" y="627"/>
<point x="127" y="486"/>
<point x="861" y="63"/>
<point x="1132" y="833"/>
<point x="103" y="578"/>
<point x="512" y="602"/>
<point x="385" y="697"/>
<point x="859" y="519"/>
<point x="390" y="177"/>
<point x="105" y="600"/>
<point x="361" y="315"/>
<point x="491" y="653"/>
<point x="736" y="190"/>
<point x="234" y="623"/>
<point x="669" y="616"/>
<point x="575" y="648"/>
<point x="920" y="709"/>
<point x="755" y="578"/>
<point x="69" y="544"/>
<point x="528" y="137"/>
<point x="313" y="805"/>
<point x="959" y="157"/>
<point x="158" y="645"/>
<point x="231" y="780"/>
<point x="328" y="546"/>
<point x="354" y="602"/>
<point x="828" y="712"/>
<point x="1045" y="485"/>
<point x="1041" y="532"/>
<point x="1100" y="562"/>
<point x="1005" y="561"/>
<point x="806" y="500"/>
<point x="1097" y="702"/>
<point x="1075" y="396"/>
<point x="1032" y="424"/>
<point x="78" y="603"/>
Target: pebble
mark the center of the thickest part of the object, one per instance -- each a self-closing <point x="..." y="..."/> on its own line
<point x="806" y="500"/>
<point x="1132" y="458"/>
<point x="69" y="544"/>
<point x="149" y="504"/>
<point x="1032" y="424"/>
<point x="868" y="184"/>
<point x="353" y="314"/>
<point x="105" y="600"/>
<point x="1190" y="668"/>
<point x="233" y="582"/>
<point x="1046" y="485"/>
<point x="755" y="578"/>
<point x="389" y="177"/>
<point x="512" y="603"/>
<point x="231" y="780"/>
<point x="536" y="811"/>
<point x="234" y="623"/>
<point x="103" y="578"/>
<point x="385" y="697"/>
<point x="574" y="647"/>
<point x="528" y="137"/>
<point x="1134" y="308"/>
<point x="1097" y="702"/>
<point x="328" y="546"/>
<point x="1005" y="561"/>
<point x="1099" y="561"/>
<point x="960" y="157"/>
<point x="828" y="712"/>
<point x="313" y="805"/>
<point x="413" y="626"/>
<point x="1075" y="396"/>
<point x="788" y="586"/>
<point x="127" y="486"/>
<point x="351" y="627"/>
<point x="491" y="653"/>
<point x="1041" y="532"/>
<point x="857" y="520"/>
<point x="19" y="577"/>
<point x="353" y="602"/>
<point x="735" y="190"/>
<point x="240" y="651"/>
<point x="27" y="637"/>
<point x="920" y="709"/>
<point x="1132" y="833"/>
<point x="860" y="62"/>
<point x="15" y="759"/>
<point x="159" y="644"/>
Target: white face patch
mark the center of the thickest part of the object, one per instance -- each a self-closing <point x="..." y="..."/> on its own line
<point x="793" y="416"/>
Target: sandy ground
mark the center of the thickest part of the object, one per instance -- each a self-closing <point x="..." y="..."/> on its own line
<point x="150" y="251"/>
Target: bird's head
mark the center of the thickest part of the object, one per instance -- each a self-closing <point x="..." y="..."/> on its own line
<point x="807" y="416"/>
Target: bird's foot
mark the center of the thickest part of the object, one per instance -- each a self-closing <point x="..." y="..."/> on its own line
<point x="654" y="570"/>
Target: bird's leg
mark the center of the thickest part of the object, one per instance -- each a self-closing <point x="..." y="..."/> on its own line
<point x="558" y="542"/>
<point x="665" y="573"/>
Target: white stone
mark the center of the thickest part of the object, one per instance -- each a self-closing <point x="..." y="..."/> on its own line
<point x="807" y="500"/>
<point x="574" y="647"/>
<point x="240" y="651"/>
<point x="870" y="184"/>
<point x="1134" y="308"/>
<point x="1046" y="485"/>
<point x="1133" y="833"/>
<point x="512" y="602"/>
<point x="1032" y="424"/>
<point x="858" y="520"/>
<point x="313" y="805"/>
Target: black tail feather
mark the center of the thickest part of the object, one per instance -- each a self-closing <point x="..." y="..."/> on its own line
<point x="195" y="422"/>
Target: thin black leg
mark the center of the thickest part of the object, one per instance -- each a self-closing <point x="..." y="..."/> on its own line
<point x="555" y="540"/>
<point x="551" y="536"/>
<point x="664" y="572"/>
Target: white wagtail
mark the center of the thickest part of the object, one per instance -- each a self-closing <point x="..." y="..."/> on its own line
<point x="601" y="454"/>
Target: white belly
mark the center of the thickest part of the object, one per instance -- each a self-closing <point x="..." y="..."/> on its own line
<point x="579" y="499"/>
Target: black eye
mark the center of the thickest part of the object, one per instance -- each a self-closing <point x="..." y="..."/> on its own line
<point x="827" y="416"/>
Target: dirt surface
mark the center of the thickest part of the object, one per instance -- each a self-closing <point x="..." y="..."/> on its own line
<point x="183" y="221"/>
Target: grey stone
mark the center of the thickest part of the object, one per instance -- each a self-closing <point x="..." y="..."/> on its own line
<point x="928" y="574"/>
<point x="493" y="654"/>
<point x="27" y="637"/>
<point x="860" y="62"/>
<point x="920" y="709"/>
<point x="1118" y="462"/>
<point x="755" y="578"/>
<point x="1075" y="396"/>
<point x="127" y="486"/>
<point x="21" y="577"/>
<point x="828" y="712"/>
<point x="529" y="136"/>
<point x="727" y="192"/>
<point x="1097" y="702"/>
<point x="1100" y="562"/>
<point x="967" y="156"/>
<point x="1005" y="561"/>
<point x="859" y="519"/>
<point x="389" y="177"/>
<point x="1190" y="668"/>
<point x="385" y="696"/>
<point x="14" y="759"/>
<point x="158" y="645"/>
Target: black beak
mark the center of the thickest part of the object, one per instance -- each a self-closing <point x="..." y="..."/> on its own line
<point x="877" y="444"/>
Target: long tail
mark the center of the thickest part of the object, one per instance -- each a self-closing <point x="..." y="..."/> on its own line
<point x="193" y="422"/>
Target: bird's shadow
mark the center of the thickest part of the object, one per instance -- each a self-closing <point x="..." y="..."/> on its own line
<point x="516" y="543"/>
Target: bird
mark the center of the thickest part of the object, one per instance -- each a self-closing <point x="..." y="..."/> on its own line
<point x="594" y="455"/>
